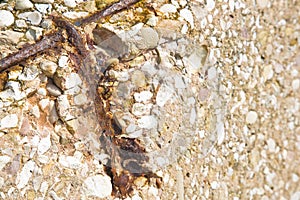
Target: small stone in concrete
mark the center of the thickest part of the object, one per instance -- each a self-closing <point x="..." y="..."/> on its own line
<point x="168" y="8"/>
<point x="72" y="81"/>
<point x="21" y="23"/>
<point x="43" y="1"/>
<point x="143" y="96"/>
<point x="3" y="161"/>
<point x="70" y="3"/>
<point x="53" y="116"/>
<point x="268" y="72"/>
<point x="6" y="18"/>
<point x="23" y="4"/>
<point x="251" y="117"/>
<point x="44" y="145"/>
<point x="188" y="16"/>
<point x="9" y="121"/>
<point x="138" y="78"/>
<point x="147" y="122"/>
<point x="34" y="18"/>
<point x="53" y="89"/>
<point x="262" y="3"/>
<point x="210" y="5"/>
<point x="44" y="8"/>
<point x="148" y="38"/>
<point x="10" y="36"/>
<point x="26" y="173"/>
<point x="80" y="99"/>
<point x="48" y="67"/>
<point x="98" y="186"/>
<point x="179" y="82"/>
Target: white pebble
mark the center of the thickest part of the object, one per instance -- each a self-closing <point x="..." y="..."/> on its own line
<point x="251" y="117"/>
<point x="48" y="67"/>
<point x="163" y="95"/>
<point x="43" y="103"/>
<point x="42" y="91"/>
<point x="220" y="132"/>
<point x="9" y="121"/>
<point x="80" y="99"/>
<point x="72" y="81"/>
<point x="71" y="162"/>
<point x="295" y="196"/>
<point x="23" y="4"/>
<point x="70" y="3"/>
<point x="179" y="83"/>
<point x="210" y="5"/>
<point x="44" y="145"/>
<point x="296" y="84"/>
<point x="211" y="73"/>
<point x="295" y="177"/>
<point x="231" y="5"/>
<point x="139" y="109"/>
<point x="262" y="3"/>
<point x="188" y="16"/>
<point x="130" y="128"/>
<point x="75" y="15"/>
<point x="271" y="145"/>
<point x="53" y="89"/>
<point x="6" y="18"/>
<point x="63" y="61"/>
<point x="43" y="1"/>
<point x="3" y="161"/>
<point x="147" y="122"/>
<point x="97" y="186"/>
<point x="35" y="17"/>
<point x="44" y="8"/>
<point x="168" y="8"/>
<point x="214" y="185"/>
<point x="143" y="96"/>
<point x="35" y="111"/>
<point x="26" y="173"/>
<point x="268" y="72"/>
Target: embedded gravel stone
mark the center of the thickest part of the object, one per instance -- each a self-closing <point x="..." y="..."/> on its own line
<point x="147" y="122"/>
<point x="251" y="117"/>
<point x="72" y="81"/>
<point x="53" y="89"/>
<point x="70" y="3"/>
<point x="80" y="99"/>
<point x="26" y="173"/>
<point x="9" y="121"/>
<point x="23" y="4"/>
<point x="34" y="18"/>
<point x="10" y="36"/>
<point x="44" y="144"/>
<point x="143" y="96"/>
<point x="97" y="186"/>
<point x="168" y="8"/>
<point x="149" y="38"/>
<point x="48" y="67"/>
<point x="43" y="1"/>
<point x="138" y="78"/>
<point x="188" y="16"/>
<point x="6" y="18"/>
<point x="44" y="8"/>
<point x="63" y="107"/>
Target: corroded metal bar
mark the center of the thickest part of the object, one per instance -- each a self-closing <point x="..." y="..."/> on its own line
<point x="47" y="42"/>
<point x="74" y="36"/>
<point x="110" y="10"/>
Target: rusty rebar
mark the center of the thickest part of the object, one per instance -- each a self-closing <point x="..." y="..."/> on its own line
<point x="47" y="42"/>
<point x="110" y="10"/>
<point x="74" y="36"/>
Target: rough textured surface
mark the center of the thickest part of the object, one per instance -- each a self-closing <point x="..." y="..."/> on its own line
<point x="239" y="59"/>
